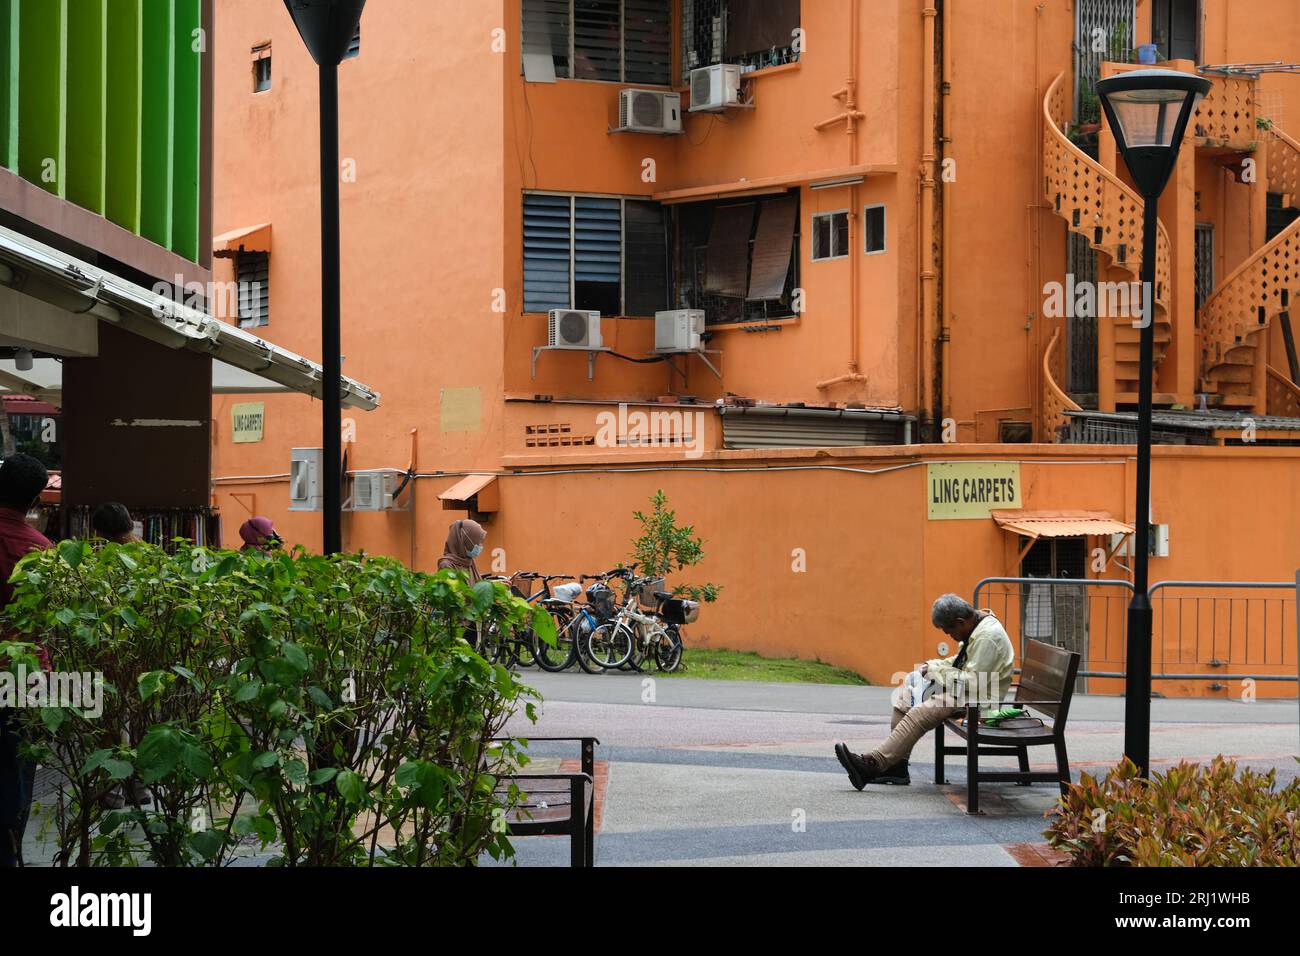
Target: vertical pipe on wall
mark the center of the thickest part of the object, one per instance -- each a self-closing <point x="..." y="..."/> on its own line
<point x="926" y="275"/>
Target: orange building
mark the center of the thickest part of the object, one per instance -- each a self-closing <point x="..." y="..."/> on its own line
<point x="864" y="225"/>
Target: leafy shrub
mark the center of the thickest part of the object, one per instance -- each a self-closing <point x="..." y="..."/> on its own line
<point x="663" y="547"/>
<point x="326" y="706"/>
<point x="1190" y="815"/>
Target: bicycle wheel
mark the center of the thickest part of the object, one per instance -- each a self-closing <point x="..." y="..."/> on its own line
<point x="610" y="645"/>
<point x="668" y="651"/>
<point x="582" y="629"/>
<point x="561" y="656"/>
<point x="487" y="642"/>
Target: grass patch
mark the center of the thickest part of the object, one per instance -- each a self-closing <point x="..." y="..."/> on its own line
<point x="711" y="664"/>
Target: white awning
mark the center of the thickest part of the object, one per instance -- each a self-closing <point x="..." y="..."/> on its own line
<point x="44" y="380"/>
<point x="163" y="320"/>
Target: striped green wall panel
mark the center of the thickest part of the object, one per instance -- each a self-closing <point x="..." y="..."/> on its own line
<point x="123" y="94"/>
<point x="158" y="121"/>
<point x="42" y="93"/>
<point x="187" y="121"/>
<point x="87" y="56"/>
<point x="101" y="104"/>
<point x="9" y="84"/>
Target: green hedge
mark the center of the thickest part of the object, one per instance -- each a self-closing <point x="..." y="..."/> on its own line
<point x="326" y="707"/>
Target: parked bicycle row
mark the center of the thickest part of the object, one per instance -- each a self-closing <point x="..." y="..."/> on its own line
<point x="597" y="628"/>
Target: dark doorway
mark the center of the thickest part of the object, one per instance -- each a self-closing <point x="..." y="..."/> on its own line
<point x="1176" y="28"/>
<point x="1052" y="612"/>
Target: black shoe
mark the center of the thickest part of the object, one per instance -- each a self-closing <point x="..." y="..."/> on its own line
<point x="860" y="770"/>
<point x="896" y="775"/>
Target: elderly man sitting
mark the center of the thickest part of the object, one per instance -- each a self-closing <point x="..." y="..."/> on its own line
<point x="981" y="670"/>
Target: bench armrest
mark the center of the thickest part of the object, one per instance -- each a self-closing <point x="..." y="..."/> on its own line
<point x="531" y="737"/>
<point x="588" y="748"/>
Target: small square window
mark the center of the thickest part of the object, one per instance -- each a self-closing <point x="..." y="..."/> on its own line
<point x="261" y="68"/>
<point x="873" y="229"/>
<point x="830" y="235"/>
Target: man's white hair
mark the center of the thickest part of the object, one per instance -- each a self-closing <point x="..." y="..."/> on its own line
<point x="948" y="609"/>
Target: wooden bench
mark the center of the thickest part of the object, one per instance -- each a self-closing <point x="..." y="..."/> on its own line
<point x="557" y="803"/>
<point x="1047" y="677"/>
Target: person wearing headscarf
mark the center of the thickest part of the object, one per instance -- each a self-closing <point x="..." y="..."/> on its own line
<point x="464" y="543"/>
<point x="258" y="534"/>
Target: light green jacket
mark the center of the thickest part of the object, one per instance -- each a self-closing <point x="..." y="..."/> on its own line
<point x="986" y="672"/>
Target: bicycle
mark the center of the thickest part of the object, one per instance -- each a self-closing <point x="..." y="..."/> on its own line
<point x="643" y="633"/>
<point x="524" y="647"/>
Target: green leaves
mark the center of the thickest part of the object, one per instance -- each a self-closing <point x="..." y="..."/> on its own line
<point x="664" y="547"/>
<point x="334" y="694"/>
<point x="73" y="552"/>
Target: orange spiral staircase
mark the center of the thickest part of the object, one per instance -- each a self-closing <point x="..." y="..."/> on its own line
<point x="1101" y="208"/>
<point x="1235" y="318"/>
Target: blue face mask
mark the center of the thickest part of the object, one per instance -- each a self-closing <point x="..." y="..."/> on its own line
<point x="475" y="551"/>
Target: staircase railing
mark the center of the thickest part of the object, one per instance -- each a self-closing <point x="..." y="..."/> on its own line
<point x="1283" y="395"/>
<point x="1055" y="402"/>
<point x="1094" y="202"/>
<point x="1261" y="287"/>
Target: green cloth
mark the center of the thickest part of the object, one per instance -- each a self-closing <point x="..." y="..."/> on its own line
<point x="986" y="673"/>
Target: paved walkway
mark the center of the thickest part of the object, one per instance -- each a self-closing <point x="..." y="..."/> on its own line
<point x="722" y="773"/>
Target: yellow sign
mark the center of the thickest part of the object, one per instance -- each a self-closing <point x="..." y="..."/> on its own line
<point x="971" y="490"/>
<point x="247" y="422"/>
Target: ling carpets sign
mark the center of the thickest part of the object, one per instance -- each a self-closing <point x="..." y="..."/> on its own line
<point x="247" y="422"/>
<point x="971" y="490"/>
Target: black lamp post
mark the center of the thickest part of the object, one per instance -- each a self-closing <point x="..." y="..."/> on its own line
<point x="1148" y="111"/>
<point x="326" y="27"/>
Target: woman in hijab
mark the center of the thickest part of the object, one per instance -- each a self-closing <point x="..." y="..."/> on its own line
<point x="258" y="534"/>
<point x="464" y="543"/>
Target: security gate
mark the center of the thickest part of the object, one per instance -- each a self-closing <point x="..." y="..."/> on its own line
<point x="1103" y="30"/>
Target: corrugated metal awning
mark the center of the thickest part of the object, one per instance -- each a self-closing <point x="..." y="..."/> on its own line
<point x="1060" y="524"/>
<point x="793" y="427"/>
<point x="163" y="320"/>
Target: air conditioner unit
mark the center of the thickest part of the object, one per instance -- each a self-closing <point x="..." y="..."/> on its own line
<point x="649" y="111"/>
<point x="305" y="479"/>
<point x="679" y="330"/>
<point x="714" y="88"/>
<point x="573" y="329"/>
<point x="372" y="490"/>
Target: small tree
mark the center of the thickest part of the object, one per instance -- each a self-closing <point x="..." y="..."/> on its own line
<point x="663" y="547"/>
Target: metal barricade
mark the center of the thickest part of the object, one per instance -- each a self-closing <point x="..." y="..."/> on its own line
<point x="1222" y="632"/>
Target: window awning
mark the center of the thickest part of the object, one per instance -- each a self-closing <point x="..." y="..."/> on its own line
<point x="247" y="239"/>
<point x="477" y="490"/>
<point x="170" y="323"/>
<point x="1060" y="524"/>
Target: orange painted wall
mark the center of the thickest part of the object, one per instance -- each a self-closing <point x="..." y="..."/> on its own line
<point x="446" y="136"/>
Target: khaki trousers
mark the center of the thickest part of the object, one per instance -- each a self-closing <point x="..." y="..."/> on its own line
<point x="909" y="723"/>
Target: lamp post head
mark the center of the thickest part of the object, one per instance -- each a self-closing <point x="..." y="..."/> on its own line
<point x="1148" y="111"/>
<point x="326" y="26"/>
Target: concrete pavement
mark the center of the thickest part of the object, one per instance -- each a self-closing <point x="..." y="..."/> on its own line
<point x="723" y="773"/>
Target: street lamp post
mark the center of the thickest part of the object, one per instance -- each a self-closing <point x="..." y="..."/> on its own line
<point x="1148" y="111"/>
<point x="326" y="27"/>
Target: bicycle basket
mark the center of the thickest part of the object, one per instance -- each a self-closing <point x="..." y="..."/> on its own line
<point x="645" y="594"/>
<point x="601" y="599"/>
<point x="681" y="611"/>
